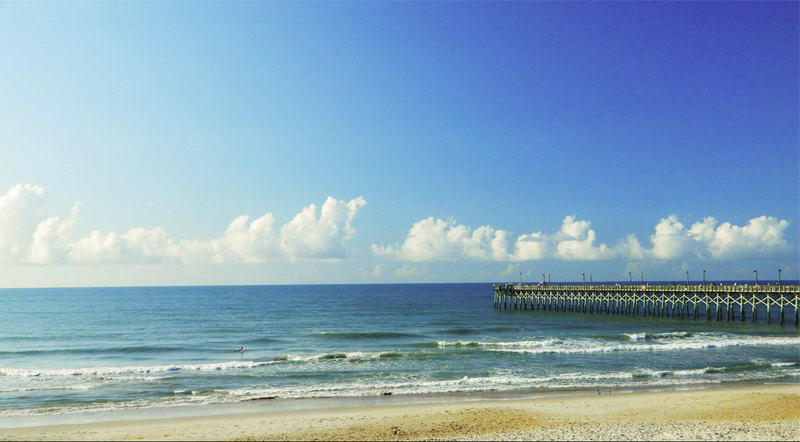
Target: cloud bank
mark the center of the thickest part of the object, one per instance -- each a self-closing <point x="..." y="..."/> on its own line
<point x="444" y="240"/>
<point x="25" y="237"/>
<point x="28" y="236"/>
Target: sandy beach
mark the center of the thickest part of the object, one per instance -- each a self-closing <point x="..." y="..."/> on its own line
<point x="752" y="412"/>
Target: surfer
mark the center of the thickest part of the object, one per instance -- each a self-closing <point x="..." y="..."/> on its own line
<point x="240" y="350"/>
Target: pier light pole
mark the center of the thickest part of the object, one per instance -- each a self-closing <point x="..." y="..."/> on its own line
<point x="520" y="278"/>
<point x="756" y="273"/>
<point x="641" y="276"/>
<point x="583" y="275"/>
<point x="779" y="277"/>
<point x="704" y="277"/>
<point x="590" y="279"/>
<point x="543" y="279"/>
<point x="687" y="277"/>
<point x="630" y="278"/>
<point x="548" y="278"/>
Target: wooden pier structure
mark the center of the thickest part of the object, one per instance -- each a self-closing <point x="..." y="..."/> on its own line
<point x="721" y="302"/>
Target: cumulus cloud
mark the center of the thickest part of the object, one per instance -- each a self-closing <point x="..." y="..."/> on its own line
<point x="445" y="240"/>
<point x="670" y="240"/>
<point x="243" y="241"/>
<point x="136" y="245"/>
<point x="760" y="237"/>
<point x="21" y="208"/>
<point x="51" y="238"/>
<point x="310" y="237"/>
<point x="26" y="238"/>
<point x="440" y="240"/>
<point x="575" y="241"/>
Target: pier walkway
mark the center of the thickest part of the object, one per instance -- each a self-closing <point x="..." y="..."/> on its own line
<point x="721" y="302"/>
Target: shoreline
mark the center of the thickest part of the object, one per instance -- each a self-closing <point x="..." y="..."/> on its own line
<point x="320" y="403"/>
<point x="717" y="412"/>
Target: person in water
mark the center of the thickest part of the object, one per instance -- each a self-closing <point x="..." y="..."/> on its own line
<point x="240" y="350"/>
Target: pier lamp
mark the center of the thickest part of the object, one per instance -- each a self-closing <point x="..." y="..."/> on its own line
<point x="687" y="277"/>
<point x="630" y="278"/>
<point x="590" y="279"/>
<point x="756" y="273"/>
<point x="548" y="278"/>
<point x="779" y="277"/>
<point x="583" y="275"/>
<point x="543" y="280"/>
<point x="704" y="277"/>
<point x="641" y="276"/>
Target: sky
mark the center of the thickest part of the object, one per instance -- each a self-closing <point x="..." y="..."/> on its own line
<point x="190" y="143"/>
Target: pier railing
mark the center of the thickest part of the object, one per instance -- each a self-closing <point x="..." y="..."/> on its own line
<point x="722" y="302"/>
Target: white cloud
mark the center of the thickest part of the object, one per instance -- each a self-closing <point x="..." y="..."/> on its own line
<point x="670" y="240"/>
<point x="439" y="240"/>
<point x="629" y="247"/>
<point x="760" y="237"/>
<point x="531" y="246"/>
<point x="26" y="237"/>
<point x="136" y="245"/>
<point x="51" y="238"/>
<point x="242" y="242"/>
<point x="510" y="269"/>
<point x="21" y="208"/>
<point x="377" y="270"/>
<point x="407" y="271"/>
<point x="309" y="237"/>
<point x="575" y="242"/>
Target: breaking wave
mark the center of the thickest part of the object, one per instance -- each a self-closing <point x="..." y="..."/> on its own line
<point x="637" y="342"/>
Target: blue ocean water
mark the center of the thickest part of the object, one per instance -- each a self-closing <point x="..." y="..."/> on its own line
<point x="79" y="349"/>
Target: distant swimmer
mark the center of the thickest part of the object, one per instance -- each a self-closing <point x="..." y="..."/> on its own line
<point x="240" y="350"/>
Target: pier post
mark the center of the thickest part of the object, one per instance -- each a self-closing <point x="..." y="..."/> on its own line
<point x="768" y="304"/>
<point x="728" y="312"/>
<point x="781" y="312"/>
<point x="741" y="307"/>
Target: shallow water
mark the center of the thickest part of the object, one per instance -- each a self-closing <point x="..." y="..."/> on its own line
<point x="79" y="349"/>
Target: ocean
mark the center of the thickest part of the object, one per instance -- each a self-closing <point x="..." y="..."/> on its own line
<point x="76" y="350"/>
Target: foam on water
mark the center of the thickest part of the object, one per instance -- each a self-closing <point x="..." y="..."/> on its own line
<point x="700" y="341"/>
<point x="465" y="384"/>
<point x="74" y="350"/>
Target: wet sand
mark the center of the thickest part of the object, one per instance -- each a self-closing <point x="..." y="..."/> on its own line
<point x="751" y="412"/>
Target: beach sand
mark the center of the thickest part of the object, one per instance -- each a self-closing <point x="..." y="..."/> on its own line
<point x="751" y="412"/>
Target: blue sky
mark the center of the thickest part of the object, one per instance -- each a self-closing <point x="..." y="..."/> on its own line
<point x="600" y="137"/>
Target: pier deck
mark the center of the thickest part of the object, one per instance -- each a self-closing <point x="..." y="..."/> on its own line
<point x="720" y="302"/>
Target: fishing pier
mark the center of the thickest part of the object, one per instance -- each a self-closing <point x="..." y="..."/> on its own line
<point x="720" y="302"/>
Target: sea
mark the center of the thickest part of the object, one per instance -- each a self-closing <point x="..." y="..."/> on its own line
<point x="72" y="351"/>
